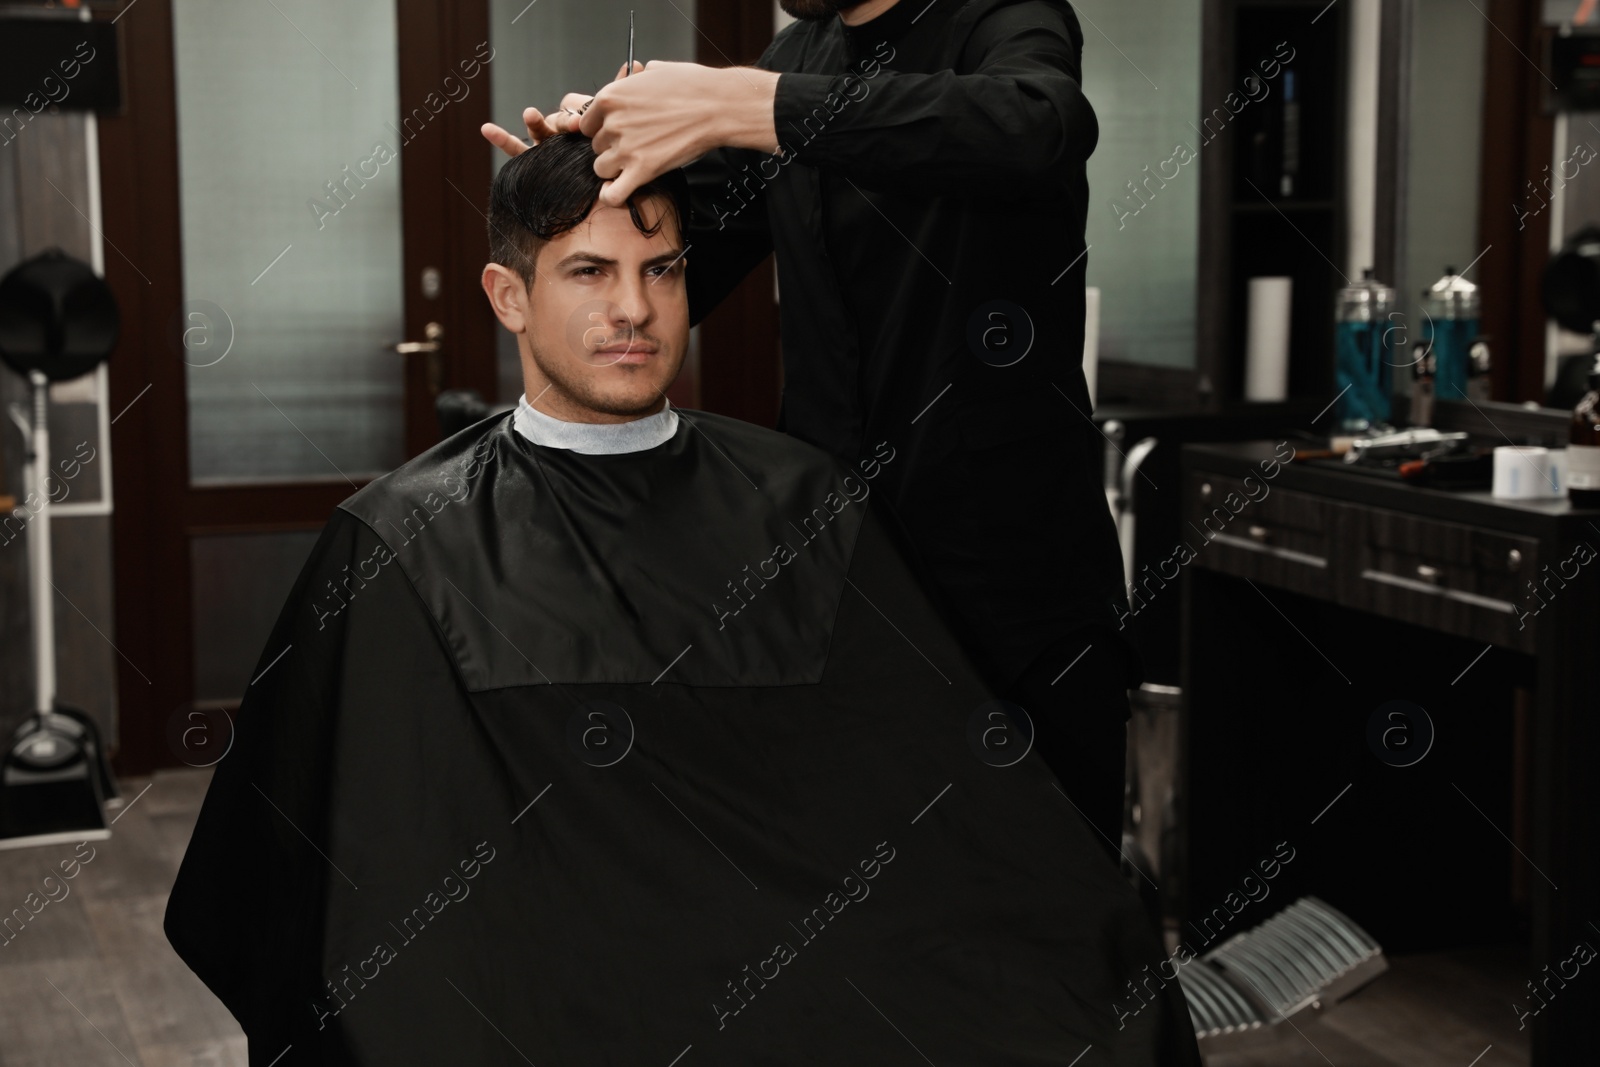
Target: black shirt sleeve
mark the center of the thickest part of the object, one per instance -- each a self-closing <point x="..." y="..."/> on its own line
<point x="728" y="233"/>
<point x="1015" y="116"/>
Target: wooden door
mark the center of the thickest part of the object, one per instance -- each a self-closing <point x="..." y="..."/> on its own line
<point x="286" y="200"/>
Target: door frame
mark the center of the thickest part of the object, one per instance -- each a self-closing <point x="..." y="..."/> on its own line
<point x="1516" y="150"/>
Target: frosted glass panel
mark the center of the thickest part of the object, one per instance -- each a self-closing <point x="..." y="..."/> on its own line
<point x="290" y="196"/>
<point x="569" y="46"/>
<point x="1141" y="72"/>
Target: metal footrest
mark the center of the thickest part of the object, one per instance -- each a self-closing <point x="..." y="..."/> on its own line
<point x="1309" y="954"/>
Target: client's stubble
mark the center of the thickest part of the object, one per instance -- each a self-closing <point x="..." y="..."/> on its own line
<point x="578" y="387"/>
<point x="816" y="10"/>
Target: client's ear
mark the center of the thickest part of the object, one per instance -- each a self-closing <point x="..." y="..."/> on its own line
<point x="508" y="295"/>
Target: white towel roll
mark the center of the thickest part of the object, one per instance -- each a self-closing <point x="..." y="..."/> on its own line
<point x="1267" y="351"/>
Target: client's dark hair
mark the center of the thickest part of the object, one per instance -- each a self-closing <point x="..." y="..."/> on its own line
<point x="551" y="188"/>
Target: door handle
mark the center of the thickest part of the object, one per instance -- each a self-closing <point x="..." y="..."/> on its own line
<point x="433" y="332"/>
<point x="433" y="348"/>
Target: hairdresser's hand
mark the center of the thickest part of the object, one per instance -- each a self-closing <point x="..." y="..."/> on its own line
<point x="541" y="125"/>
<point x="672" y="114"/>
<point x="538" y="129"/>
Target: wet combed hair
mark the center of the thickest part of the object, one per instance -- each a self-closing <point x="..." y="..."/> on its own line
<point x="551" y="188"/>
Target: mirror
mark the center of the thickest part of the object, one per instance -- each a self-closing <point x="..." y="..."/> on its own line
<point x="1441" y="143"/>
<point x="1576" y="201"/>
<point x="1571" y="194"/>
<point x="1141" y="73"/>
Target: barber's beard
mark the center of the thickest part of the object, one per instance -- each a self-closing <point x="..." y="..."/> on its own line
<point x="816" y="10"/>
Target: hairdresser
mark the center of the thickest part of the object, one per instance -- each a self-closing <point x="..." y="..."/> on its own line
<point x="918" y="169"/>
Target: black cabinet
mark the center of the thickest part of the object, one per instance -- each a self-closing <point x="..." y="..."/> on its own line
<point x="1317" y="597"/>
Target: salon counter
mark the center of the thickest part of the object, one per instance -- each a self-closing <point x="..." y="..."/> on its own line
<point x="1314" y="598"/>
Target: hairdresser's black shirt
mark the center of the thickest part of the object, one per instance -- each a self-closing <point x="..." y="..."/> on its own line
<point x="930" y="207"/>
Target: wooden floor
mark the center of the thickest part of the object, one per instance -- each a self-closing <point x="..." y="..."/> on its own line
<point x="91" y="981"/>
<point x="1437" y="1009"/>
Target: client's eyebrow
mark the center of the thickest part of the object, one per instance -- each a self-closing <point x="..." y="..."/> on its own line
<point x="598" y="260"/>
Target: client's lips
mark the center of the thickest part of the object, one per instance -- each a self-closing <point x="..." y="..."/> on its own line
<point x="634" y="352"/>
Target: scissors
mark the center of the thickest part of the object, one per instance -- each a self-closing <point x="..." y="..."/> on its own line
<point x="627" y="70"/>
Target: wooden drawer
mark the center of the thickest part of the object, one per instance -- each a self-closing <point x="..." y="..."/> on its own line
<point x="1459" y="579"/>
<point x="1252" y="529"/>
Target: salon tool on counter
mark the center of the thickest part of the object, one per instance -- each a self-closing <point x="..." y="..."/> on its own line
<point x="1363" y="351"/>
<point x="1450" y="334"/>
<point x="1471" y="469"/>
<point x="1421" y="456"/>
<point x="1418" y="443"/>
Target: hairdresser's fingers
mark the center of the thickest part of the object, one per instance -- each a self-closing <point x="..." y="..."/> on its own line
<point x="616" y="192"/>
<point x="563" y="122"/>
<point x="607" y="161"/>
<point x="575" y="102"/>
<point x="505" y="140"/>
<point x="538" y="126"/>
<point x="622" y="71"/>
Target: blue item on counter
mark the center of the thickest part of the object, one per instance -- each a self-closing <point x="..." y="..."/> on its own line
<point x="1363" y="354"/>
<point x="1450" y="327"/>
<point x="1451" y="340"/>
<point x="1365" y="373"/>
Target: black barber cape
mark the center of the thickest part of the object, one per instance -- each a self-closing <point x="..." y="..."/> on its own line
<point x="928" y="218"/>
<point x="651" y="758"/>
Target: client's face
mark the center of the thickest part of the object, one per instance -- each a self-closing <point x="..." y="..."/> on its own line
<point x="608" y="322"/>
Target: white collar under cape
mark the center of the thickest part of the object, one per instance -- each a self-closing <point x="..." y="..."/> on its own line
<point x="595" y="438"/>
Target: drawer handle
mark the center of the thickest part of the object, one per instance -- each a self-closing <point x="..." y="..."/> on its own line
<point x="1427" y="573"/>
<point x="1259" y="534"/>
<point x="1513" y="560"/>
<point x="1205" y="490"/>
